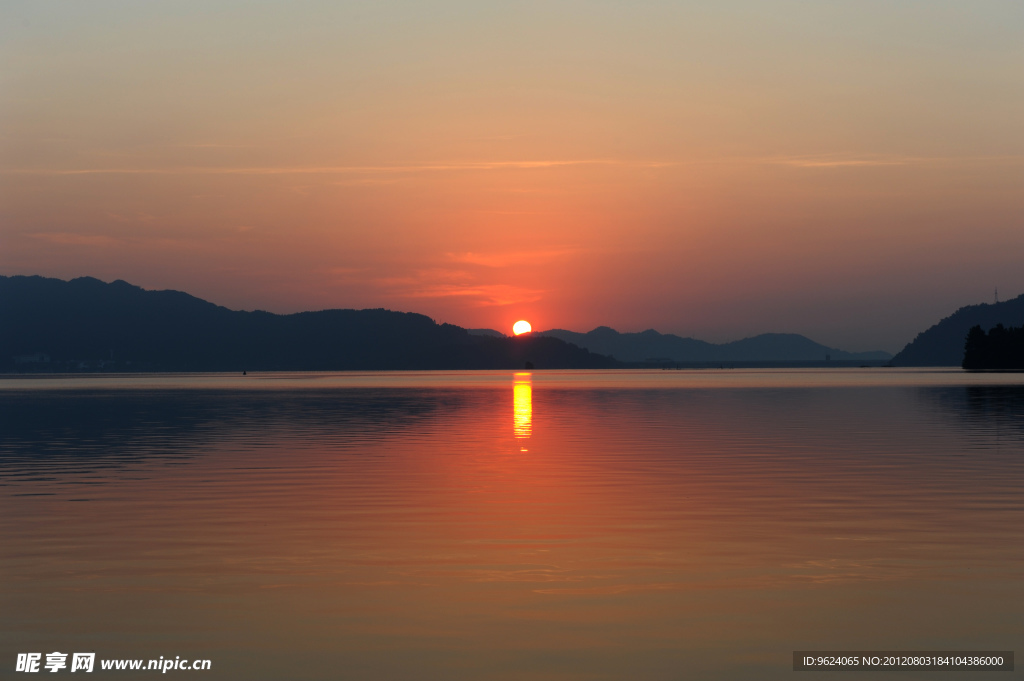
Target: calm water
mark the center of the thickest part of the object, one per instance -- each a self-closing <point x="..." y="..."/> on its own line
<point x="576" y="525"/>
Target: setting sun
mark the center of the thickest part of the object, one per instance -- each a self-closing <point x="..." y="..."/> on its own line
<point x="521" y="327"/>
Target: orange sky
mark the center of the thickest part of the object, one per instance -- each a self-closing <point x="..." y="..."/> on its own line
<point x="852" y="172"/>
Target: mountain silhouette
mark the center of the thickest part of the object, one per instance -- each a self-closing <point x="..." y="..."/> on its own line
<point x="943" y="343"/>
<point x="647" y="346"/>
<point x="88" y="325"/>
<point x="486" y="332"/>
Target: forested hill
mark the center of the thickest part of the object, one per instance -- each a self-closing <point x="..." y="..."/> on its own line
<point x="943" y="343"/>
<point x="767" y="347"/>
<point x="86" y="324"/>
<point x="1001" y="349"/>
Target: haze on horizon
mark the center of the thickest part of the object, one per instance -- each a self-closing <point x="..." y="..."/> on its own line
<point x="848" y="171"/>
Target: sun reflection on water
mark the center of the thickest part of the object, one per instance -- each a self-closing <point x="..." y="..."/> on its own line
<point x="522" y="405"/>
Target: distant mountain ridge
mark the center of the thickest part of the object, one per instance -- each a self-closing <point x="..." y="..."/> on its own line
<point x="943" y="343"/>
<point x="652" y="345"/>
<point x="88" y="325"/>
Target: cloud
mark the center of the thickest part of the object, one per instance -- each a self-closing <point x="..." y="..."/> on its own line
<point x="454" y="283"/>
<point x="304" y="170"/>
<point x="845" y="162"/>
<point x="486" y="294"/>
<point x="140" y="242"/>
<point x="69" y="239"/>
<point x="334" y="170"/>
<point x="382" y="171"/>
<point x="130" y="219"/>
<point x="213" y="145"/>
<point x="514" y="258"/>
<point x="840" y="161"/>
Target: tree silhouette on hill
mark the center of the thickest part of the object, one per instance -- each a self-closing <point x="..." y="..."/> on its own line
<point x="1001" y="349"/>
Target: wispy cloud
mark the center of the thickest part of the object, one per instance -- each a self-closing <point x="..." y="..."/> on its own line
<point x="337" y="170"/>
<point x="455" y="283"/>
<point x="70" y="239"/>
<point x="842" y="161"/>
<point x="834" y="162"/>
<point x="144" y="240"/>
<point x="213" y="145"/>
<point x="383" y="171"/>
<point x="513" y="258"/>
<point x="347" y="271"/>
<point x="306" y="170"/>
<point x="135" y="218"/>
<point x="485" y="294"/>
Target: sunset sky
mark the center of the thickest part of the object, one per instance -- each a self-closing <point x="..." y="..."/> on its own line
<point x="852" y="171"/>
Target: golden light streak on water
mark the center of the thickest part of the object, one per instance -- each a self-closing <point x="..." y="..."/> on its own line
<point x="522" y="405"/>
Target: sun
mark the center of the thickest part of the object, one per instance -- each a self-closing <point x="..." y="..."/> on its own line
<point x="521" y="327"/>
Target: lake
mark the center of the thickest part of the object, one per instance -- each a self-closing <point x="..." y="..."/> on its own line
<point x="498" y="525"/>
